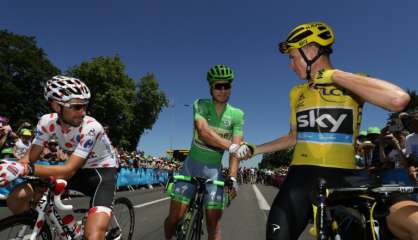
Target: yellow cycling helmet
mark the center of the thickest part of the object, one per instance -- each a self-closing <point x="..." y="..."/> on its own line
<point x="306" y="33"/>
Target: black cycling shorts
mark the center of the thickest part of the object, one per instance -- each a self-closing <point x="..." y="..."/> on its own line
<point x="97" y="183"/>
<point x="292" y="207"/>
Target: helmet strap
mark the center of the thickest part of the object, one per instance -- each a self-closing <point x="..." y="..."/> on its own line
<point x="309" y="62"/>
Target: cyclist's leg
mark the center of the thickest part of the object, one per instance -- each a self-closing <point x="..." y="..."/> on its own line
<point x="213" y="224"/>
<point x="180" y="198"/>
<point x="177" y="211"/>
<point x="100" y="185"/>
<point x="290" y="210"/>
<point x="214" y="202"/>
<point x="402" y="220"/>
<point x="19" y="199"/>
<point x="98" y="219"/>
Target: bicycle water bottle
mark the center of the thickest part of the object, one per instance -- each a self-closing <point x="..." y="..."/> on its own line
<point x="73" y="225"/>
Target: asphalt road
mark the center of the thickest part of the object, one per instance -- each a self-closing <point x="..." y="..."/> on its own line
<point x="244" y="219"/>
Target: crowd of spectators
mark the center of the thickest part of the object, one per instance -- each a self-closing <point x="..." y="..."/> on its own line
<point x="141" y="160"/>
<point x="395" y="146"/>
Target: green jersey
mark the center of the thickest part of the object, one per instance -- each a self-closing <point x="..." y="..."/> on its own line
<point x="227" y="125"/>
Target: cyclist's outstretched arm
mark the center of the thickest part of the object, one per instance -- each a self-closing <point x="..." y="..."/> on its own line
<point x="281" y="143"/>
<point x="209" y="136"/>
<point x="376" y="91"/>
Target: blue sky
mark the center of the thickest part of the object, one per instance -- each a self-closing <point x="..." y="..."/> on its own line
<point x="179" y="41"/>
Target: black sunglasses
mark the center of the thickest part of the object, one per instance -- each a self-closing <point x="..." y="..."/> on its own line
<point x="78" y="107"/>
<point x="220" y="86"/>
<point x="75" y="106"/>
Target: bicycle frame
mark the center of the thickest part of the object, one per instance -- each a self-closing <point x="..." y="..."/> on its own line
<point x="47" y="207"/>
<point x="196" y="203"/>
<point x="365" y="198"/>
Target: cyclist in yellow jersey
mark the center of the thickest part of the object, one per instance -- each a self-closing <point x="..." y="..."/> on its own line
<point x="324" y="122"/>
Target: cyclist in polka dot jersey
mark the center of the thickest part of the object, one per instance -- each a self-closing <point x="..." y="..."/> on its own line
<point x="87" y="140"/>
<point x="91" y="167"/>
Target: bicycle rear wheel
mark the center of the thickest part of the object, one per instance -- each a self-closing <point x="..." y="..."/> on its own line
<point x="21" y="227"/>
<point x="123" y="220"/>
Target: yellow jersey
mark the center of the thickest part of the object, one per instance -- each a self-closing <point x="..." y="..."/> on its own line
<point x="327" y="120"/>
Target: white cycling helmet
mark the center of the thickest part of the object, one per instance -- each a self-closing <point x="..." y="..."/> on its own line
<point x="63" y="89"/>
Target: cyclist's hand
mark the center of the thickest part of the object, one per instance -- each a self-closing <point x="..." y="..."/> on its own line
<point x="323" y="77"/>
<point x="246" y="150"/>
<point x="233" y="148"/>
<point x="10" y="170"/>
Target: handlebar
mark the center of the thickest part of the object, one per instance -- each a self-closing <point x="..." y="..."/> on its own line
<point x="191" y="179"/>
<point x="385" y="188"/>
<point x="59" y="188"/>
<point x="56" y="187"/>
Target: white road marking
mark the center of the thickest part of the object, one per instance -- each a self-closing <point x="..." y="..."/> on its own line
<point x="152" y="202"/>
<point x="262" y="203"/>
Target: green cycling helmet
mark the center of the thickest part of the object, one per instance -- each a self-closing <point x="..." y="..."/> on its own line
<point x="220" y="72"/>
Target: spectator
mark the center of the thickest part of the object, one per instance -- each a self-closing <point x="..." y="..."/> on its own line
<point x="392" y="144"/>
<point x="23" y="143"/>
<point x="23" y="125"/>
<point x="411" y="146"/>
<point x="6" y="133"/>
<point x="359" y="151"/>
<point x="53" y="153"/>
<point x="372" y="158"/>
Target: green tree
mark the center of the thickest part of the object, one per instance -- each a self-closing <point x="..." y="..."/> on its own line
<point x="117" y="102"/>
<point x="276" y="159"/>
<point x="24" y="68"/>
<point x="150" y="101"/>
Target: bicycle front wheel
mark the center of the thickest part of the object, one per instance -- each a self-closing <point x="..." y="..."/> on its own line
<point x="194" y="230"/>
<point x="123" y="220"/>
<point x="21" y="227"/>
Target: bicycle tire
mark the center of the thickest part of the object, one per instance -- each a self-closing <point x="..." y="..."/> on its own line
<point x="122" y="224"/>
<point x="10" y="223"/>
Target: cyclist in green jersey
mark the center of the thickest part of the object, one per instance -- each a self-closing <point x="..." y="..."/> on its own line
<point x="324" y="122"/>
<point x="217" y="127"/>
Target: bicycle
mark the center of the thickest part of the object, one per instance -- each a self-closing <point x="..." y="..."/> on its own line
<point x="190" y="227"/>
<point x="44" y="222"/>
<point x="354" y="212"/>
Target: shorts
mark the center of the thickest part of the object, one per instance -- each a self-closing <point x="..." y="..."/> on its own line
<point x="97" y="183"/>
<point x="184" y="191"/>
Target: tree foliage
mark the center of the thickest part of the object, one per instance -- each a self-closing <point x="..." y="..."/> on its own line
<point x="24" y="68"/>
<point x="276" y="159"/>
<point x="117" y="102"/>
<point x="150" y="102"/>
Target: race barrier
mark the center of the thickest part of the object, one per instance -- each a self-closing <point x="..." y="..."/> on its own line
<point x="141" y="176"/>
<point x="127" y="177"/>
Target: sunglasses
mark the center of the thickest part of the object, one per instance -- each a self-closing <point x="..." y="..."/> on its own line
<point x="220" y="86"/>
<point x="75" y="106"/>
